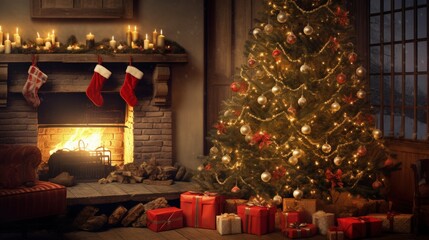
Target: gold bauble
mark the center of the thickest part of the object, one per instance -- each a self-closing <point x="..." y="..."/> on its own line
<point x="306" y="129"/>
<point x="256" y="32"/>
<point x="308" y="30"/>
<point x="304" y="68"/>
<point x="302" y="101"/>
<point x="245" y="129"/>
<point x="335" y="106"/>
<point x="361" y="94"/>
<point x="282" y="17"/>
<point x="248" y="138"/>
<point x="276" y="89"/>
<point x="226" y="159"/>
<point x="298" y="194"/>
<point x="293" y="160"/>
<point x="338" y="160"/>
<point x="277" y="200"/>
<point x="268" y="28"/>
<point x="266" y="176"/>
<point x="360" y="71"/>
<point x="297" y="153"/>
<point x="326" y="148"/>
<point x="377" y="134"/>
<point x="214" y="150"/>
<point x="262" y="100"/>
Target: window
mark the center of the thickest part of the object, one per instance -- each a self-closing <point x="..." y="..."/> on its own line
<point x="398" y="67"/>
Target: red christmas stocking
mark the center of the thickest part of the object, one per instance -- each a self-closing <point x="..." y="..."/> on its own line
<point x="35" y="80"/>
<point x="101" y="74"/>
<point x="132" y="76"/>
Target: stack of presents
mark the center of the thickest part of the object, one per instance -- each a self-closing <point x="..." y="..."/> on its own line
<point x="351" y="219"/>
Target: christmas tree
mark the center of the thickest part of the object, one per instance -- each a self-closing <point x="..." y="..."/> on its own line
<point x="299" y="122"/>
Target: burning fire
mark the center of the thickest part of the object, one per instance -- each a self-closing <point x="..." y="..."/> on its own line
<point x="82" y="139"/>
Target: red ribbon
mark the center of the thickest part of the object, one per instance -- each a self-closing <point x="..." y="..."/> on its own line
<point x="261" y="138"/>
<point x="335" y="179"/>
<point x="335" y="43"/>
<point x="220" y="128"/>
<point x="342" y="17"/>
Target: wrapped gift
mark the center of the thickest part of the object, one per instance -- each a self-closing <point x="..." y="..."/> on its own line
<point x="307" y="206"/>
<point x="289" y="217"/>
<point x="256" y="220"/>
<point x="394" y="222"/>
<point x="360" y="227"/>
<point x="163" y="219"/>
<point x="228" y="223"/>
<point x="232" y="203"/>
<point x="301" y="230"/>
<point x="323" y="221"/>
<point x="199" y="210"/>
<point x="334" y="233"/>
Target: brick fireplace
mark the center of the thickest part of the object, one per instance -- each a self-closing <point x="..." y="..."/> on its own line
<point x="65" y="114"/>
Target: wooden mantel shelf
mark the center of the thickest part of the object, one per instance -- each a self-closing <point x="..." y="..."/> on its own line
<point x="93" y="58"/>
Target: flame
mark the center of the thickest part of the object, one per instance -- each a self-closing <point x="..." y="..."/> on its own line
<point x="82" y="139"/>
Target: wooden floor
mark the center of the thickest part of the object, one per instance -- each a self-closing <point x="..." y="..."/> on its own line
<point x="95" y="193"/>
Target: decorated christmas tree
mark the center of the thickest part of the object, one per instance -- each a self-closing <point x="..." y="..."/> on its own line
<point x="299" y="122"/>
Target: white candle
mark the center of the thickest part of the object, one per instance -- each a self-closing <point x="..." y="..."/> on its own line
<point x="48" y="39"/>
<point x="69" y="48"/>
<point x="1" y="36"/>
<point x="135" y="34"/>
<point x="113" y="42"/>
<point x="146" y="43"/>
<point x="1" y="48"/>
<point x="161" y="40"/>
<point x="154" y="37"/>
<point x="151" y="45"/>
<point x="7" y="44"/>
<point x="39" y="40"/>
<point x="48" y="45"/>
<point x="53" y="37"/>
<point x="17" y="38"/>
<point x="129" y="36"/>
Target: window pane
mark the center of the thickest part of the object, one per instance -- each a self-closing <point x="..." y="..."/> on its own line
<point x="422" y="56"/>
<point x="387" y="59"/>
<point x="422" y="90"/>
<point x="375" y="6"/>
<point x="397" y="122"/>
<point x="398" y="4"/>
<point x="387" y="28"/>
<point x="409" y="3"/>
<point x="409" y="90"/>
<point x="422" y="125"/>
<point x="387" y="5"/>
<point x="386" y="122"/>
<point x="420" y="2"/>
<point x="375" y="59"/>
<point x="409" y="123"/>
<point x="398" y="58"/>
<point x="421" y="22"/>
<point x="398" y="26"/>
<point x="398" y="90"/>
<point x="375" y="89"/>
<point x="386" y="91"/>
<point x="375" y="29"/>
<point x="409" y="24"/>
<point x="409" y="57"/>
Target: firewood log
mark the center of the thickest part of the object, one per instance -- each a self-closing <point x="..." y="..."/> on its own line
<point x="84" y="215"/>
<point x="140" y="221"/>
<point x="94" y="223"/>
<point x="180" y="173"/>
<point x="156" y="203"/>
<point x="117" y="215"/>
<point x="133" y="214"/>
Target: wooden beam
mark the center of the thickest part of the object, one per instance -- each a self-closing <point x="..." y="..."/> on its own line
<point x="93" y="58"/>
<point x="161" y="77"/>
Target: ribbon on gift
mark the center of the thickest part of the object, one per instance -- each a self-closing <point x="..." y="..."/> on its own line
<point x="167" y="222"/>
<point x="229" y="217"/>
<point x="247" y="220"/>
<point x="260" y="202"/>
<point x="299" y="227"/>
<point x="391" y="218"/>
<point x="336" y="230"/>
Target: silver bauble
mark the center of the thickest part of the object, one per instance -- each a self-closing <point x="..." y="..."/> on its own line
<point x="304" y="68"/>
<point x="338" y="160"/>
<point x="245" y="129"/>
<point x="335" y="106"/>
<point x="214" y="150"/>
<point x="298" y="194"/>
<point x="306" y="129"/>
<point x="377" y="134"/>
<point x="361" y="94"/>
<point x="275" y="89"/>
<point x="248" y="138"/>
<point x="266" y="176"/>
<point x="360" y="71"/>
<point x="326" y="148"/>
<point x="268" y="28"/>
<point x="200" y="168"/>
<point x="297" y="153"/>
<point x="277" y="200"/>
<point x="256" y="32"/>
<point x="308" y="30"/>
<point x="282" y="17"/>
<point x="262" y="100"/>
<point x="293" y="160"/>
<point x="302" y="101"/>
<point x="226" y="159"/>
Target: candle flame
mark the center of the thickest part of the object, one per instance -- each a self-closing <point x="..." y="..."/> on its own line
<point x="135" y="28"/>
<point x="113" y="37"/>
<point x="129" y="28"/>
<point x="53" y="31"/>
<point x="155" y="30"/>
<point x="38" y="35"/>
<point x="17" y="30"/>
<point x="7" y="36"/>
<point x="161" y="31"/>
<point x="0" y="28"/>
<point x="146" y="36"/>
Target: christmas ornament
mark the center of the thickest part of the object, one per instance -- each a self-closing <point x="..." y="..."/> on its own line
<point x="245" y="129"/>
<point x="278" y="173"/>
<point x="306" y="129"/>
<point x="101" y="74"/>
<point x="214" y="150"/>
<point x="377" y="134"/>
<point x="235" y="87"/>
<point x="226" y="159"/>
<point x="298" y="194"/>
<point x="262" y="100"/>
<point x="35" y="80"/>
<point x="221" y="129"/>
<point x="235" y="189"/>
<point x="361" y="94"/>
<point x="282" y="17"/>
<point x="335" y="106"/>
<point x="361" y="151"/>
<point x="132" y="77"/>
<point x="248" y="138"/>
<point x="360" y="71"/>
<point x="276" y="52"/>
<point x="275" y="89"/>
<point x="208" y="167"/>
<point x="200" y="168"/>
<point x="251" y="61"/>
<point x="326" y="148"/>
<point x="388" y="162"/>
<point x="297" y="153"/>
<point x="308" y="30"/>
<point x="290" y="38"/>
<point x="259" y="74"/>
<point x="256" y="32"/>
<point x="268" y="28"/>
<point x="304" y="68"/>
<point x="266" y="176"/>
<point x="277" y="200"/>
<point x="293" y="160"/>
<point x="228" y="113"/>
<point x="302" y="101"/>
<point x="341" y="78"/>
<point x="352" y="57"/>
<point x="292" y="110"/>
<point x="334" y="178"/>
<point x="377" y="184"/>
<point x="262" y="139"/>
<point x="338" y="160"/>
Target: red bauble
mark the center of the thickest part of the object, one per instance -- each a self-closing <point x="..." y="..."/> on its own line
<point x="377" y="184"/>
<point x="276" y="52"/>
<point x="341" y="78"/>
<point x="291" y="38"/>
<point x="235" y="189"/>
<point x="361" y="151"/>
<point x="251" y="62"/>
<point x="388" y="162"/>
<point x="235" y="86"/>
<point x="352" y="57"/>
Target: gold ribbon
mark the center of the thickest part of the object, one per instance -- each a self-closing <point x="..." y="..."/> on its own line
<point x="229" y="217"/>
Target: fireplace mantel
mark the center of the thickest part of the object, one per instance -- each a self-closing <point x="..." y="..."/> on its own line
<point x="160" y="77"/>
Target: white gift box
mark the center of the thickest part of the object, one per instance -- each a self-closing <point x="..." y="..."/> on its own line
<point x="323" y="221"/>
<point x="228" y="223"/>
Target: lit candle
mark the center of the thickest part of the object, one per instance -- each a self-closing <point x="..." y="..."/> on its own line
<point x="146" y="43"/>
<point x="129" y="37"/>
<point x="69" y="48"/>
<point x="113" y="42"/>
<point x="90" y="40"/>
<point x="48" y="45"/>
<point x="7" y="44"/>
<point x="17" y="38"/>
<point x="1" y="48"/>
<point x="161" y="40"/>
<point x="154" y="37"/>
<point x="151" y="45"/>
<point x="53" y="37"/>
<point x="1" y="36"/>
<point x="48" y="39"/>
<point x="135" y="34"/>
<point x="39" y="40"/>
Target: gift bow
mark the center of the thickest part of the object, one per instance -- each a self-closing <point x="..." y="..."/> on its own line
<point x="297" y="225"/>
<point x="259" y="202"/>
<point x="342" y="17"/>
<point x="335" y="179"/>
<point x="229" y="215"/>
<point x="261" y="138"/>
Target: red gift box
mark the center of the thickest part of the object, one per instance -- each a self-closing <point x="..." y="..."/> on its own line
<point x="360" y="227"/>
<point x="301" y="230"/>
<point x="163" y="219"/>
<point x="288" y="217"/>
<point x="199" y="210"/>
<point x="256" y="219"/>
